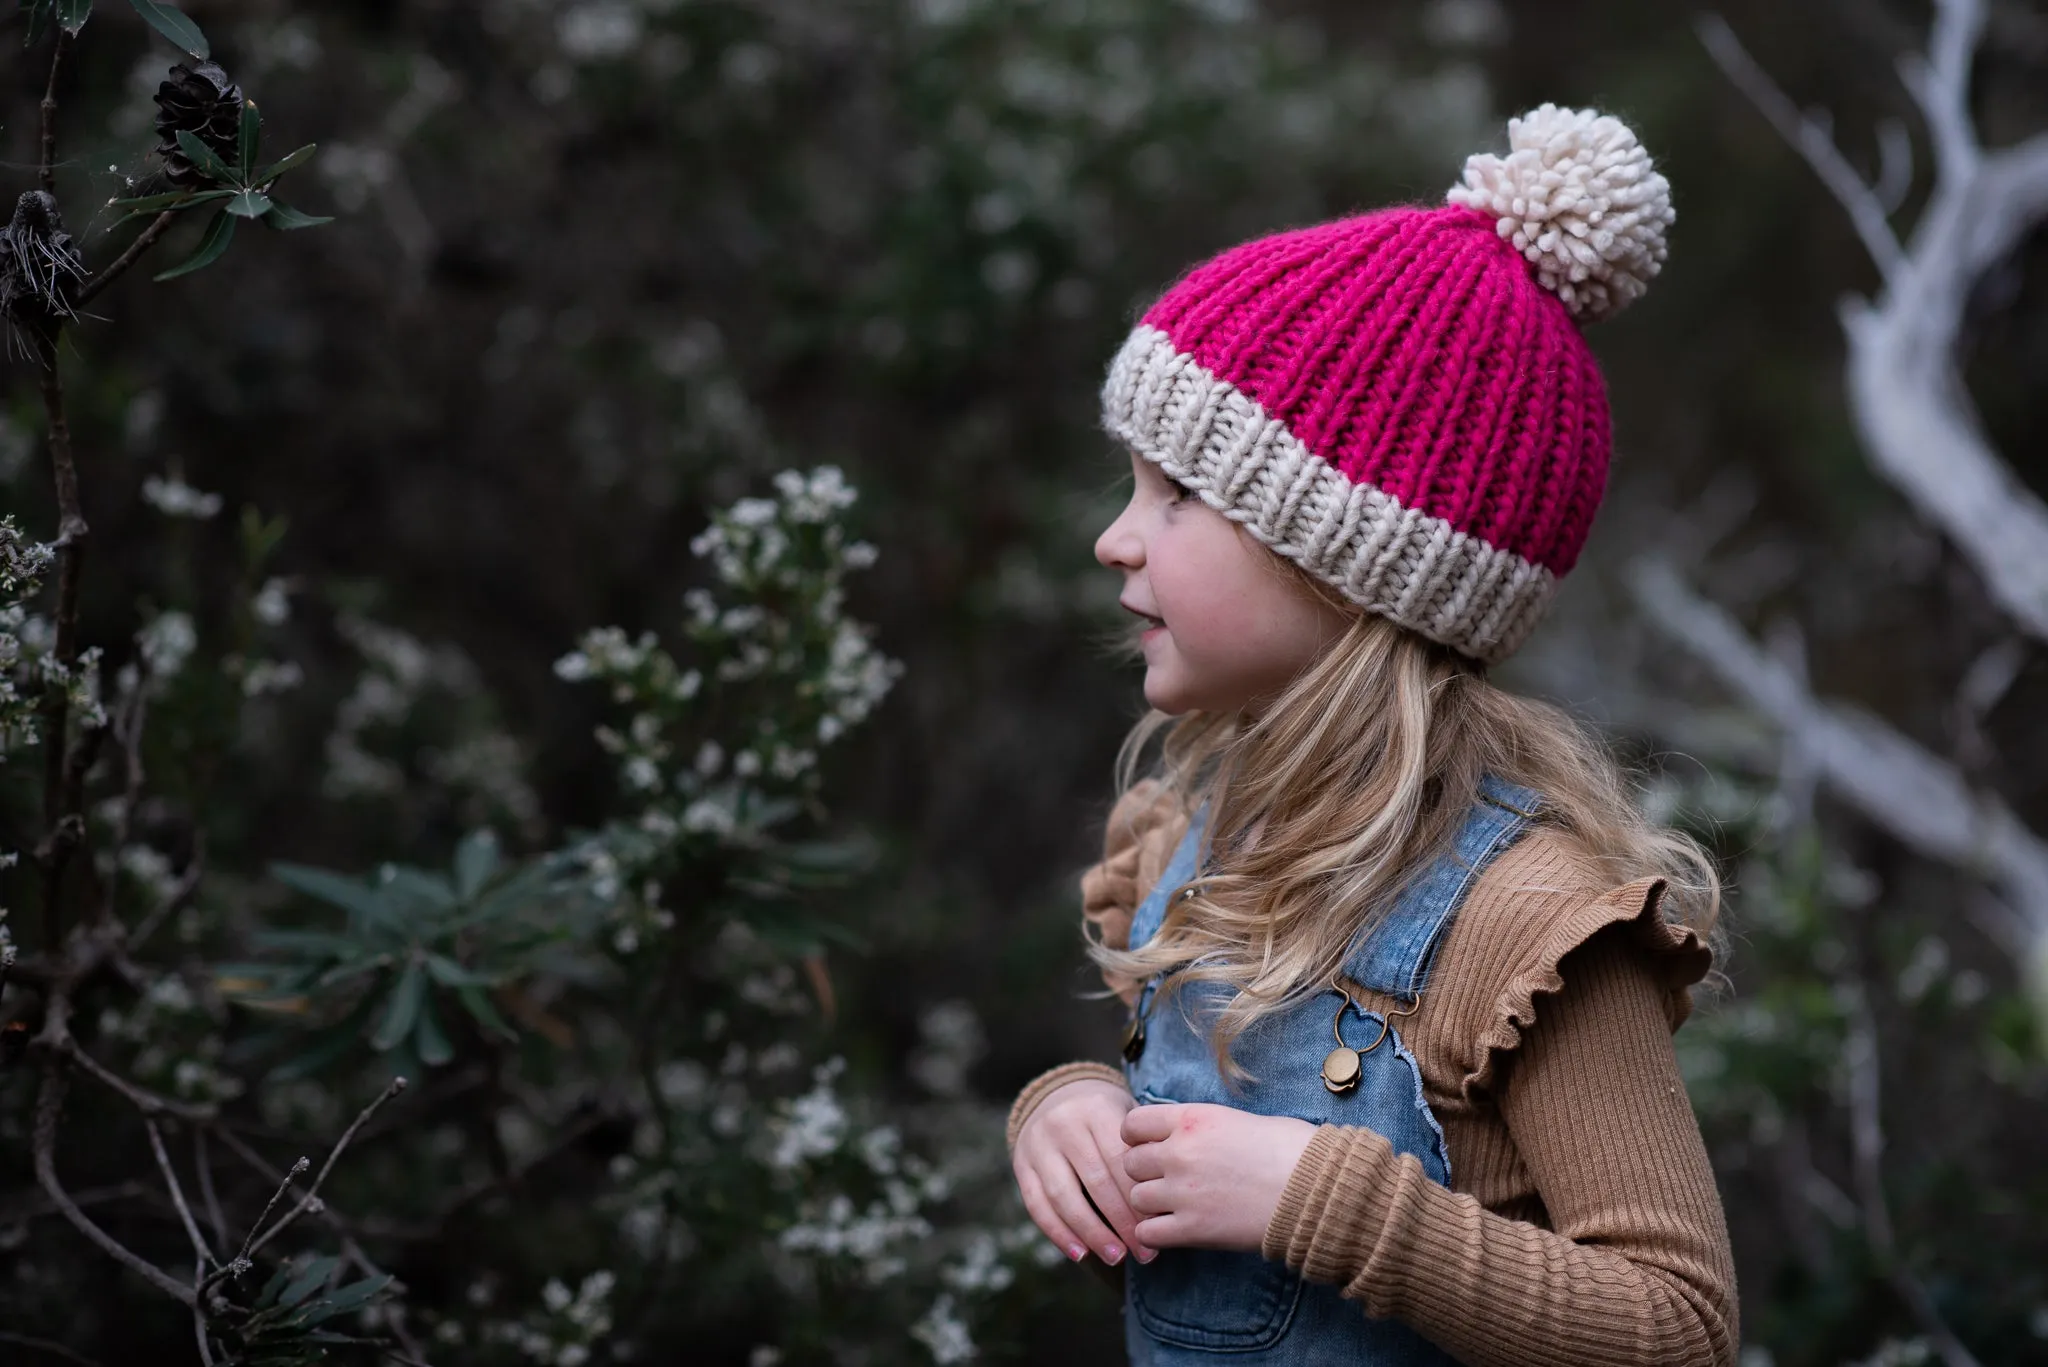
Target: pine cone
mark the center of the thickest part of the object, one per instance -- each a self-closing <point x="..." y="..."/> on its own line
<point x="201" y="101"/>
<point x="40" y="268"/>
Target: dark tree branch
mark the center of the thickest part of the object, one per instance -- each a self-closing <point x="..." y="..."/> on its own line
<point x="114" y="269"/>
<point x="49" y="1110"/>
<point x="46" y="174"/>
<point x="177" y="1190"/>
<point x="203" y="1160"/>
<point x="63" y="825"/>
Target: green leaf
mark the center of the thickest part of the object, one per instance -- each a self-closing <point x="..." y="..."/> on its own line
<point x="309" y="944"/>
<point x="149" y="206"/>
<point x="448" y="973"/>
<point x="248" y="136"/>
<point x="290" y="161"/>
<point x="218" y="234"/>
<point x="351" y="895"/>
<point x="39" y="12"/>
<point x="401" y="1009"/>
<point x="204" y="158"/>
<point x="311" y="1278"/>
<point x="72" y="14"/>
<point x="354" y="1296"/>
<point x="274" y="1287"/>
<point x="476" y="859"/>
<point x="429" y="1040"/>
<point x="483" y="1013"/>
<point x="425" y="891"/>
<point x="167" y="20"/>
<point x="285" y="219"/>
<point x="249" y="204"/>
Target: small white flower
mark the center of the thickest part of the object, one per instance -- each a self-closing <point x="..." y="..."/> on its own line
<point x="272" y="604"/>
<point x="175" y="498"/>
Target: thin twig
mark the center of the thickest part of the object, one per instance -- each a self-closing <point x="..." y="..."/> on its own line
<point x="49" y="1109"/>
<point x="203" y="1160"/>
<point x="1866" y="1130"/>
<point x="199" y="1316"/>
<point x="175" y="897"/>
<point x="50" y="1346"/>
<point x="148" y="1102"/>
<point x="113" y="270"/>
<point x="312" y="1196"/>
<point x="1812" y="140"/>
<point x="241" y="1262"/>
<point x="46" y="174"/>
<point x="163" y="1163"/>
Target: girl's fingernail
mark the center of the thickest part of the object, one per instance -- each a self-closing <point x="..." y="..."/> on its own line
<point x="1076" y="1253"/>
<point x="1112" y="1254"/>
<point x="1148" y="1255"/>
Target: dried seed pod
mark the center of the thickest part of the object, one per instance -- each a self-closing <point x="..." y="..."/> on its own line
<point x="202" y="101"/>
<point x="40" y="269"/>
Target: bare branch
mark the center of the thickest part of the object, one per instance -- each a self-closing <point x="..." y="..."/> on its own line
<point x="203" y="1160"/>
<point x="144" y="240"/>
<point x="312" y="1195"/>
<point x="1866" y="1134"/>
<point x="49" y="1109"/>
<point x="53" y="1348"/>
<point x="1813" y="140"/>
<point x="163" y="1163"/>
<point x="1939" y="82"/>
<point x="60" y="835"/>
<point x="1894" y="165"/>
<point x="46" y="173"/>
<point x="1916" y="796"/>
<point x="141" y="1098"/>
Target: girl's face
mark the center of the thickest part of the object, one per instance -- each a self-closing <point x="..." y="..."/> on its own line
<point x="1227" y="626"/>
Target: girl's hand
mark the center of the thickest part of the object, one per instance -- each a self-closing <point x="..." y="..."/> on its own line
<point x="1209" y="1176"/>
<point x="1069" y="1153"/>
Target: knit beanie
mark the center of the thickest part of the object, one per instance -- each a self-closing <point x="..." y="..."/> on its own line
<point x="1401" y="402"/>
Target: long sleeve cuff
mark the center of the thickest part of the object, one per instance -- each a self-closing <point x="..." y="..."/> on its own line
<point x="1332" y="1210"/>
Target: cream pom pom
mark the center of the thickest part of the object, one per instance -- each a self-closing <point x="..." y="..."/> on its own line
<point x="1577" y="195"/>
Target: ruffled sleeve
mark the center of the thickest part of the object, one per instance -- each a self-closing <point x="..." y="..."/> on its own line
<point x="1675" y="957"/>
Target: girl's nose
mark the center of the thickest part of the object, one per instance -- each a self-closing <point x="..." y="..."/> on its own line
<point x="1120" y="547"/>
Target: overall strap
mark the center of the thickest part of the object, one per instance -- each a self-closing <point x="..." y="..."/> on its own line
<point x="1180" y="871"/>
<point x="1393" y="958"/>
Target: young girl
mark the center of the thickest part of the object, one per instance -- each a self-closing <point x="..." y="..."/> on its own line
<point x="1402" y="957"/>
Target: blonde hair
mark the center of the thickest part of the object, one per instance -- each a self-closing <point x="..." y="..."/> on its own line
<point x="1322" y="807"/>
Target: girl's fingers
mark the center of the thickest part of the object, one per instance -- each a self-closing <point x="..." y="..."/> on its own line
<point x="1144" y="1163"/>
<point x="1150" y="1198"/>
<point x="1098" y="1174"/>
<point x="1169" y="1231"/>
<point x="1147" y="1124"/>
<point x="1048" y="1221"/>
<point x="1070" y="1203"/>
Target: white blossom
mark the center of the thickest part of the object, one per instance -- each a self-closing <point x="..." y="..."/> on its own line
<point x="173" y="497"/>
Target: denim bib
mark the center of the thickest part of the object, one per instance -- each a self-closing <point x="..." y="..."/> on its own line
<point x="1188" y="1305"/>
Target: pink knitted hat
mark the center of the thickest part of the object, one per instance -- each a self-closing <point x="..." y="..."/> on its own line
<point x="1402" y="402"/>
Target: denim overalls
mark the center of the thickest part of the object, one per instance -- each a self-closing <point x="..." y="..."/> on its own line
<point x="1195" y="1305"/>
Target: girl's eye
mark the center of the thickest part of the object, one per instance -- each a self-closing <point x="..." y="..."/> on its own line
<point x="1180" y="493"/>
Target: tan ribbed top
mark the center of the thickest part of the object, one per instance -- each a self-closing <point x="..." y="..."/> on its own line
<point x="1582" y="1227"/>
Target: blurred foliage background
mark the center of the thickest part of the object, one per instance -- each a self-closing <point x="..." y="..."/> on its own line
<point x="602" y="266"/>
